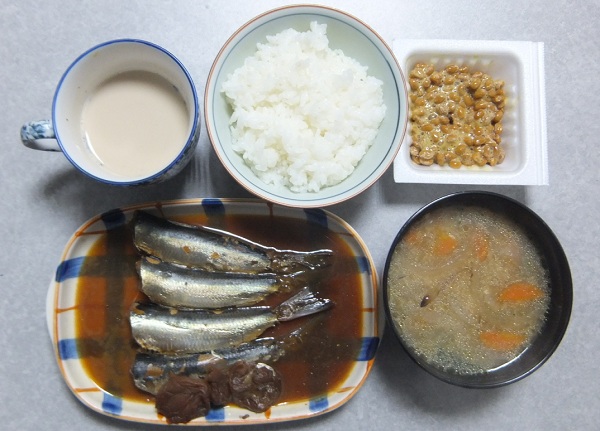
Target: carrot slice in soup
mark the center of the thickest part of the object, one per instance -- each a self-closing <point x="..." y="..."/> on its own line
<point x="520" y="292"/>
<point x="444" y="244"/>
<point x="501" y="340"/>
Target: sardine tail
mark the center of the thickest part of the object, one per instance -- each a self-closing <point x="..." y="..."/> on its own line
<point x="286" y="261"/>
<point x="303" y="303"/>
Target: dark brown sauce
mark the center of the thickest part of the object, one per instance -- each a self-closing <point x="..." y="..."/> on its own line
<point x="108" y="285"/>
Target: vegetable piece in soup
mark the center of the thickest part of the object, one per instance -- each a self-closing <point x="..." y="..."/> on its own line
<point x="467" y="289"/>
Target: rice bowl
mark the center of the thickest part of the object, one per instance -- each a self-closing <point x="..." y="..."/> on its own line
<point x="361" y="165"/>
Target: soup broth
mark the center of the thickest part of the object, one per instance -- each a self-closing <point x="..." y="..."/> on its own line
<point x="467" y="290"/>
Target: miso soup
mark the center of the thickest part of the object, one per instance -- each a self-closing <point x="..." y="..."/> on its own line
<point x="467" y="289"/>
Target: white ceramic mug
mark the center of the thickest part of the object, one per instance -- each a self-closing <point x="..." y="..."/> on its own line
<point x="125" y="113"/>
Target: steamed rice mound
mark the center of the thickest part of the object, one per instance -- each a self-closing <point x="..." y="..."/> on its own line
<point x="304" y="115"/>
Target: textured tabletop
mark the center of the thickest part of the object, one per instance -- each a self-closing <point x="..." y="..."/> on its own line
<point x="46" y="200"/>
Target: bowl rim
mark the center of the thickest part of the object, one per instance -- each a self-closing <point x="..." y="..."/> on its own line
<point x="468" y="381"/>
<point x="392" y="150"/>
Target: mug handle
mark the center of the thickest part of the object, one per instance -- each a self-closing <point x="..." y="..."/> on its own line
<point x="39" y="135"/>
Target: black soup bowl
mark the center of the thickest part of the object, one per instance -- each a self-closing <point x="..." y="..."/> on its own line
<point x="553" y="260"/>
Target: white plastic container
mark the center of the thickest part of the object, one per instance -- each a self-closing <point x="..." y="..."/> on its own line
<point x="521" y="66"/>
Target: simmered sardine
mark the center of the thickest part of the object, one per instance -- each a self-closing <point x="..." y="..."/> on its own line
<point x="181" y="287"/>
<point x="151" y="370"/>
<point x="170" y="330"/>
<point x="217" y="250"/>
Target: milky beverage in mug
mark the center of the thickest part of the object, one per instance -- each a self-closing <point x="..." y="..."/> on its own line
<point x="125" y="113"/>
<point x="131" y="121"/>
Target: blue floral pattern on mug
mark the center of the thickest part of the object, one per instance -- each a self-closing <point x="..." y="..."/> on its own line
<point x="34" y="131"/>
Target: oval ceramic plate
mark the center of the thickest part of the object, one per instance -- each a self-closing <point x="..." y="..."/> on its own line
<point x="62" y="311"/>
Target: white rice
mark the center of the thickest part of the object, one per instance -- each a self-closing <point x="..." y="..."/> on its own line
<point x="304" y="115"/>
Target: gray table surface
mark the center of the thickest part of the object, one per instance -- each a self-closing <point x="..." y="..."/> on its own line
<point x="46" y="200"/>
